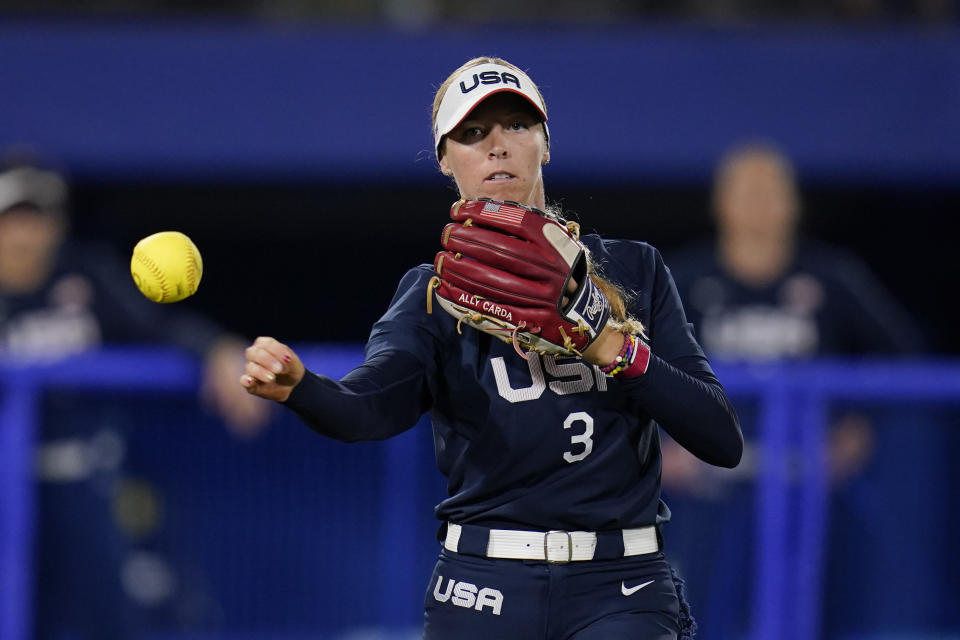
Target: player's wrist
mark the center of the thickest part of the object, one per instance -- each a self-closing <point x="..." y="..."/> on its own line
<point x="605" y="347"/>
<point x="631" y="360"/>
<point x="295" y="388"/>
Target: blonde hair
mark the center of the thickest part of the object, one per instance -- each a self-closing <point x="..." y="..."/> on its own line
<point x="442" y="91"/>
<point x="621" y="320"/>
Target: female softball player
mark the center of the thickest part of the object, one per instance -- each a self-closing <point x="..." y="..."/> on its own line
<point x="551" y="528"/>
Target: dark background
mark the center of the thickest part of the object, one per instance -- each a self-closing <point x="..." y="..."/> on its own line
<point x="318" y="261"/>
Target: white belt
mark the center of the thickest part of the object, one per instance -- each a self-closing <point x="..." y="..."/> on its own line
<point x="554" y="546"/>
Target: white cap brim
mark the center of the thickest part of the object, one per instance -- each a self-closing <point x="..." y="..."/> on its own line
<point x="27" y="185"/>
<point x="476" y="84"/>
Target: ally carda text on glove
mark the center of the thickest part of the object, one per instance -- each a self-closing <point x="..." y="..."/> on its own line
<point x="486" y="306"/>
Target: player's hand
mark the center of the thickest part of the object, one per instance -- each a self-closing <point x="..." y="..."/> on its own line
<point x="272" y="370"/>
<point x="244" y="415"/>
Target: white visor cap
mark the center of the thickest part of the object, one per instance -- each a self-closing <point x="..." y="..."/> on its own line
<point x="26" y="185"/>
<point x="476" y="84"/>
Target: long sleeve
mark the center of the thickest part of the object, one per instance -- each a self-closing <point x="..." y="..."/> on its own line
<point x="679" y="389"/>
<point x="383" y="397"/>
<point x="693" y="408"/>
<point x="388" y="393"/>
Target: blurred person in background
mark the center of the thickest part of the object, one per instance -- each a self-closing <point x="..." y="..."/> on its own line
<point x="59" y="298"/>
<point x="762" y="291"/>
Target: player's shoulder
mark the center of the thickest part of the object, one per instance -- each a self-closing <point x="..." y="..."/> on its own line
<point x="413" y="302"/>
<point x="411" y="290"/>
<point x="619" y="249"/>
<point x="419" y="275"/>
<point x="407" y="324"/>
<point x="623" y="259"/>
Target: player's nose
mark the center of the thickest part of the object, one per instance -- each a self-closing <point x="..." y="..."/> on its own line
<point x="498" y="143"/>
<point x="499" y="153"/>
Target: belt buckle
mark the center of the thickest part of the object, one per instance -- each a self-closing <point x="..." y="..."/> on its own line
<point x="546" y="547"/>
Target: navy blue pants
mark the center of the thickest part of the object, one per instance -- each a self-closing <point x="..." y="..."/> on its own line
<point x="474" y="598"/>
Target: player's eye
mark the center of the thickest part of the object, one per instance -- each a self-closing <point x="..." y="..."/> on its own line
<point x="519" y="125"/>
<point x="469" y="133"/>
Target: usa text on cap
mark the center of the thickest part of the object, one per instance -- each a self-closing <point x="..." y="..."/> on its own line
<point x="474" y="85"/>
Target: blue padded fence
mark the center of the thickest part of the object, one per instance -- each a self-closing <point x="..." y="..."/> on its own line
<point x="390" y="514"/>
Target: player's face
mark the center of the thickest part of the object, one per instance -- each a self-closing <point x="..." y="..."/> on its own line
<point x="28" y="241"/>
<point x="755" y="197"/>
<point x="497" y="152"/>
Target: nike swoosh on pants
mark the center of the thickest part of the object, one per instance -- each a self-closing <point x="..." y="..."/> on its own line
<point x="632" y="590"/>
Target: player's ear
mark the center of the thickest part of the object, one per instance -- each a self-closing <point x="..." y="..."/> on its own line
<point x="444" y="167"/>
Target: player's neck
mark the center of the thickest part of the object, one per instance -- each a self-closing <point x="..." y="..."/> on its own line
<point x="755" y="261"/>
<point x="22" y="277"/>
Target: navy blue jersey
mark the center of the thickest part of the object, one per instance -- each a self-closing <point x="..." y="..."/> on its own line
<point x="826" y="302"/>
<point x="542" y="443"/>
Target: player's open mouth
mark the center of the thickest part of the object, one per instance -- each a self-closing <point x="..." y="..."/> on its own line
<point x="499" y="176"/>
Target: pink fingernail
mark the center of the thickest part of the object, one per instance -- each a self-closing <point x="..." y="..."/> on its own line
<point x="286" y="358"/>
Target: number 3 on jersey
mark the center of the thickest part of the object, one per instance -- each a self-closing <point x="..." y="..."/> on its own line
<point x="573" y="377"/>
<point x="584" y="438"/>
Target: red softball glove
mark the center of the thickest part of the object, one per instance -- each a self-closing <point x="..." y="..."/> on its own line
<point x="506" y="270"/>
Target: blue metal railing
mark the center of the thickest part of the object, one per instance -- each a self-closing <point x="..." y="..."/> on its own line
<point x="22" y="385"/>
<point x="792" y="398"/>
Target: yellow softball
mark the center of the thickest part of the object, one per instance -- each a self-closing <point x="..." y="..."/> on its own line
<point x="166" y="266"/>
